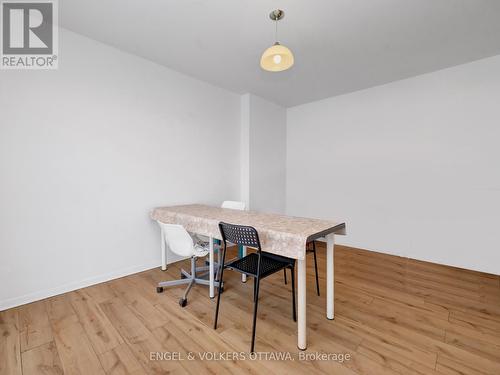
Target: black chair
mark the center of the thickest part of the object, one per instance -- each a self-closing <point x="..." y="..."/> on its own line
<point x="311" y="250"/>
<point x="257" y="265"/>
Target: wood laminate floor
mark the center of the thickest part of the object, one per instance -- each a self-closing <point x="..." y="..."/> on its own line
<point x="393" y="316"/>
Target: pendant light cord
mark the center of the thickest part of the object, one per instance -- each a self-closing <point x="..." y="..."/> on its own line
<point x="276" y="31"/>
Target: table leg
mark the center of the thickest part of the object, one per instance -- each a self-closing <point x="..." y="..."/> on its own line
<point x="211" y="267"/>
<point x="243" y="253"/>
<point x="219" y="250"/>
<point x="330" y="282"/>
<point x="163" y="251"/>
<point x="301" y="304"/>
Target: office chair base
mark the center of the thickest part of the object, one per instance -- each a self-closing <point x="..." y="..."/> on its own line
<point x="187" y="278"/>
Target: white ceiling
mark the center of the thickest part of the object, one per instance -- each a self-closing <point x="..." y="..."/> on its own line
<point x="339" y="45"/>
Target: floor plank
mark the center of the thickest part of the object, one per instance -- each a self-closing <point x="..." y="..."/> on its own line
<point x="135" y="300"/>
<point x="43" y="359"/>
<point x="124" y="321"/>
<point x="75" y="351"/>
<point x="60" y="311"/>
<point x="474" y="345"/>
<point x="34" y="325"/>
<point x="10" y="345"/>
<point x="96" y="324"/>
<point x="121" y="361"/>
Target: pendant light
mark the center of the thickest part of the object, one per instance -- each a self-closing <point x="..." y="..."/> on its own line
<point x="277" y="57"/>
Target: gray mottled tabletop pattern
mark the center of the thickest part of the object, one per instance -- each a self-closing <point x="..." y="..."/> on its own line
<point x="279" y="234"/>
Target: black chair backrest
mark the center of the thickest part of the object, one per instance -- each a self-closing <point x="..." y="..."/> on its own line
<point x="239" y="235"/>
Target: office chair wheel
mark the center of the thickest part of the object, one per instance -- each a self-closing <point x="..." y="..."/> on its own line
<point x="183" y="302"/>
<point x="159" y="289"/>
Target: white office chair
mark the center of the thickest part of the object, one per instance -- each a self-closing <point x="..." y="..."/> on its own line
<point x="180" y="242"/>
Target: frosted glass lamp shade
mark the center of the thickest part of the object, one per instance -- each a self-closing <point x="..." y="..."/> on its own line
<point x="276" y="58"/>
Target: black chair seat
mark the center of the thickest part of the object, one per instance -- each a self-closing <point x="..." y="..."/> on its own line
<point x="248" y="264"/>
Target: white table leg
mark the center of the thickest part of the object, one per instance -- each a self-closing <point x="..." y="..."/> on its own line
<point x="211" y="267"/>
<point x="330" y="282"/>
<point x="243" y="253"/>
<point x="163" y="251"/>
<point x="301" y="304"/>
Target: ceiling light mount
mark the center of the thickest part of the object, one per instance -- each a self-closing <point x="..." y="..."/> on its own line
<point x="277" y="15"/>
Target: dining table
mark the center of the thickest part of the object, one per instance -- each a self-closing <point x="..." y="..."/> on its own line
<point x="279" y="234"/>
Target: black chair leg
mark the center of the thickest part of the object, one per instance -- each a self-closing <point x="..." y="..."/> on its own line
<point x="284" y="274"/>
<point x="219" y="290"/>
<point x="218" y="242"/>
<point x="316" y="267"/>
<point x="256" y="302"/>
<point x="254" y="287"/>
<point x="294" y="311"/>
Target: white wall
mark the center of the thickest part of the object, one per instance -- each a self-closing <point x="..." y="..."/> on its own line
<point x="245" y="149"/>
<point x="263" y="147"/>
<point x="88" y="150"/>
<point x="412" y="166"/>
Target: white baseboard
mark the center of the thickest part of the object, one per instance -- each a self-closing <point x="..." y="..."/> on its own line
<point x="36" y="296"/>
